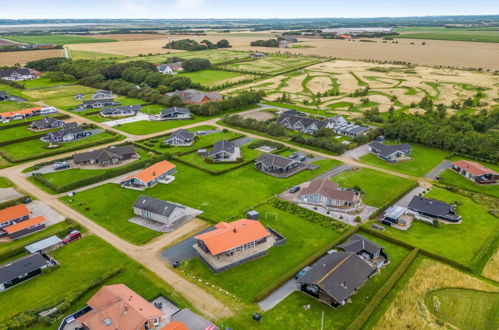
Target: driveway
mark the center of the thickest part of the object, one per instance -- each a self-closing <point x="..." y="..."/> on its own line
<point x="404" y="201"/>
<point x="358" y="151"/>
<point x="335" y="171"/>
<point x="7" y="194"/>
<point x="138" y="117"/>
<point x="434" y="173"/>
<point x="279" y="295"/>
<point x="39" y="208"/>
<point x="183" y="250"/>
<point x="242" y="141"/>
<point x="308" y="160"/>
<point x="16" y="99"/>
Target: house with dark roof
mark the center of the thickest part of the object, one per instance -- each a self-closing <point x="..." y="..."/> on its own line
<point x="192" y="96"/>
<point x="180" y="138"/>
<point x="17" y="74"/>
<point x="175" y="113"/>
<point x="335" y="277"/>
<point x="102" y="94"/>
<point x="79" y="96"/>
<point x="122" y="111"/>
<point x="148" y="177"/>
<point x="303" y="124"/>
<point x="327" y="193"/>
<point x="96" y="104"/>
<point x="234" y="243"/>
<point x="3" y="96"/>
<point x="475" y="172"/>
<point x="164" y="215"/>
<point x="224" y="151"/>
<point x="107" y="156"/>
<point x="65" y="135"/>
<point x="434" y="209"/>
<point x="22" y="269"/>
<point x="366" y="249"/>
<point x="391" y="153"/>
<point x="47" y="123"/>
<point x="277" y="166"/>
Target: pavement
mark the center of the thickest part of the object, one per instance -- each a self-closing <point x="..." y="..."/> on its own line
<point x="16" y="99"/>
<point x="434" y="173"/>
<point x="335" y="171"/>
<point x="404" y="201"/>
<point x="138" y="117"/>
<point x="39" y="208"/>
<point x="242" y="141"/>
<point x="358" y="151"/>
<point x="279" y="295"/>
<point x="7" y="194"/>
<point x="183" y="250"/>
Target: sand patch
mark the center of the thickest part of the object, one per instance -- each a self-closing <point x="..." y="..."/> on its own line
<point x="319" y="84"/>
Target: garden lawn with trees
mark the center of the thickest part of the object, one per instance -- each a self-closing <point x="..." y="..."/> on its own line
<point x="219" y="196"/>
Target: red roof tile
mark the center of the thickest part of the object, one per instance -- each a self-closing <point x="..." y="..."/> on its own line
<point x="24" y="224"/>
<point x="474" y="168"/>
<point x="14" y="212"/>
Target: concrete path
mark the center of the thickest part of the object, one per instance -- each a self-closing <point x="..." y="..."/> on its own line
<point x="434" y="173"/>
<point x="7" y="194"/>
<point x="335" y="171"/>
<point x="404" y="201"/>
<point x="279" y="295"/>
<point x="358" y="151"/>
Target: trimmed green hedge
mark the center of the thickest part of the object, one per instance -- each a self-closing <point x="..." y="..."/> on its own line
<point x="13" y="202"/>
<point x="362" y="318"/>
<point x="264" y="293"/>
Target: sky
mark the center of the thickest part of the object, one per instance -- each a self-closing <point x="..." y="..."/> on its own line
<point x="17" y="9"/>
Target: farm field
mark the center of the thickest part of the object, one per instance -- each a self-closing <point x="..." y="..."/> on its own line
<point x="213" y="78"/>
<point x="378" y="188"/>
<point x="423" y="160"/>
<point x="491" y="269"/>
<point x="272" y="64"/>
<point x="224" y="200"/>
<point x="291" y="314"/>
<point x="59" y="92"/>
<point x="87" y="55"/>
<point x="130" y="36"/>
<point x="459" y="242"/>
<point x="54" y="39"/>
<point x="429" y="276"/>
<point x="12" y="58"/>
<point x="390" y="86"/>
<point x="215" y="56"/>
<point x="99" y="258"/>
<point x="455" y="35"/>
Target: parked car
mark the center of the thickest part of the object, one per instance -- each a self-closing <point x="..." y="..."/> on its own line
<point x="302" y="272"/>
<point x="293" y="155"/>
<point x="60" y="165"/>
<point x="302" y="158"/>
<point x="294" y="189"/>
<point x="72" y="236"/>
<point x="27" y="200"/>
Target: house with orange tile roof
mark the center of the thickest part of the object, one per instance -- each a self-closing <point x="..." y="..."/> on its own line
<point x="25" y="228"/>
<point x="148" y="177"/>
<point x="118" y="307"/>
<point x="14" y="214"/>
<point x="175" y="325"/>
<point x="26" y="113"/>
<point x="231" y="244"/>
<point x="476" y="172"/>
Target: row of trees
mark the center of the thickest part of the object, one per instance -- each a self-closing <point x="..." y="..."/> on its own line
<point x="270" y="127"/>
<point x="192" y="45"/>
<point x="266" y="43"/>
<point x="238" y="102"/>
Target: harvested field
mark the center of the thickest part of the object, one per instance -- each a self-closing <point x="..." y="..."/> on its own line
<point x="130" y="36"/>
<point x="491" y="269"/>
<point x="12" y="58"/>
<point x="126" y="48"/>
<point x="319" y="84"/>
<point x="408" y="309"/>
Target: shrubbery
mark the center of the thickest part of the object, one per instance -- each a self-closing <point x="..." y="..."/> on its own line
<point x="270" y="127"/>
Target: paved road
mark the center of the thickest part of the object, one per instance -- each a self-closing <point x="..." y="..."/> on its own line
<point x="279" y="295"/>
<point x="434" y="173"/>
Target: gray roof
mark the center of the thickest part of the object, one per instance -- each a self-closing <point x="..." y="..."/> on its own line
<point x="182" y="134"/>
<point x="339" y="274"/>
<point x="110" y="101"/>
<point x="108" y="111"/>
<point x="193" y="95"/>
<point x="305" y="121"/>
<point x="357" y="243"/>
<point x="45" y="122"/>
<point x="386" y="150"/>
<point x="192" y="320"/>
<point x="156" y="206"/>
<point x="3" y="94"/>
<point x="339" y="120"/>
<point x="43" y="244"/>
<point x="21" y="266"/>
<point x="103" y="91"/>
<point x="174" y="110"/>
<point x="273" y="160"/>
<point x="222" y="145"/>
<point x="9" y="72"/>
<point x="104" y="154"/>
<point x="432" y="207"/>
<point x="65" y="131"/>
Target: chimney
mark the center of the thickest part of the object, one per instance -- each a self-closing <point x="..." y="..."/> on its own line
<point x="234" y="230"/>
<point x="153" y="173"/>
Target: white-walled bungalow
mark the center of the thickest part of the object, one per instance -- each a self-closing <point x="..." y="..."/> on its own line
<point x="150" y="176"/>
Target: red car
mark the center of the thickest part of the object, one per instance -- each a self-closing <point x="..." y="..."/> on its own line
<point x="72" y="236"/>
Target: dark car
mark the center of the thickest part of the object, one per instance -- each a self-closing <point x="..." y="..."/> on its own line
<point x="294" y="189"/>
<point x="302" y="158"/>
<point x="302" y="272"/>
<point x="293" y="155"/>
<point x="72" y="236"/>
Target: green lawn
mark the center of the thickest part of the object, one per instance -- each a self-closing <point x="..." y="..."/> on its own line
<point x="37" y="148"/>
<point x="378" y="188"/>
<point x="148" y="127"/>
<point x="450" y="177"/>
<point x="304" y="238"/>
<point x="18" y="132"/>
<point x="423" y="160"/>
<point x="465" y="308"/>
<point x="6" y="106"/>
<point x="454" y="35"/>
<point x="215" y="56"/>
<point x="87" y="55"/>
<point x="82" y="262"/>
<point x="290" y="314"/>
<point x="5" y="183"/>
<point x="211" y="78"/>
<point x="55" y="39"/>
<point x="459" y="242"/>
<point x="273" y="64"/>
<point x="55" y="92"/>
<point x="44" y="82"/>
<point x="219" y="196"/>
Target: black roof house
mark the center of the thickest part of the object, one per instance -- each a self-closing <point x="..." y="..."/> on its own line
<point x="388" y="151"/>
<point x="175" y="110"/>
<point x="433" y="208"/>
<point x="335" y="277"/>
<point x="21" y="270"/>
<point x="47" y="122"/>
<point x="156" y="206"/>
<point x="222" y="146"/>
<point x="105" y="156"/>
<point x="181" y="136"/>
<point x="364" y="248"/>
<point x="121" y="109"/>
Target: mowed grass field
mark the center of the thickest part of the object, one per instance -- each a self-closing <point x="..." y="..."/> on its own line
<point x="219" y="196"/>
<point x="19" y="132"/>
<point x="452" y="178"/>
<point x="272" y="64"/>
<point x="6" y="106"/>
<point x="147" y="127"/>
<point x="378" y="188"/>
<point x="459" y="242"/>
<point x="423" y="160"/>
<point x="215" y="56"/>
<point x="98" y="257"/>
<point x="55" y="39"/>
<point x="454" y="35"/>
<point x="464" y="308"/>
<point x="44" y="82"/>
<point x="210" y="78"/>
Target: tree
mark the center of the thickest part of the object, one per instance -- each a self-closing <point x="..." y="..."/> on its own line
<point x="224" y="43"/>
<point x="196" y="64"/>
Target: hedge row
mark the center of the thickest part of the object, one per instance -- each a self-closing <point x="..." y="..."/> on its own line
<point x="63" y="303"/>
<point x="268" y="143"/>
<point x="210" y="171"/>
<point x="284" y="278"/>
<point x="13" y="202"/>
<point x="28" y="122"/>
<point x="308" y="215"/>
<point x="485" y="252"/>
<point x="423" y="251"/>
<point x="111" y="173"/>
<point x="13" y="159"/>
<point x="371" y="307"/>
<point x="392" y="201"/>
<point x="5" y="254"/>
